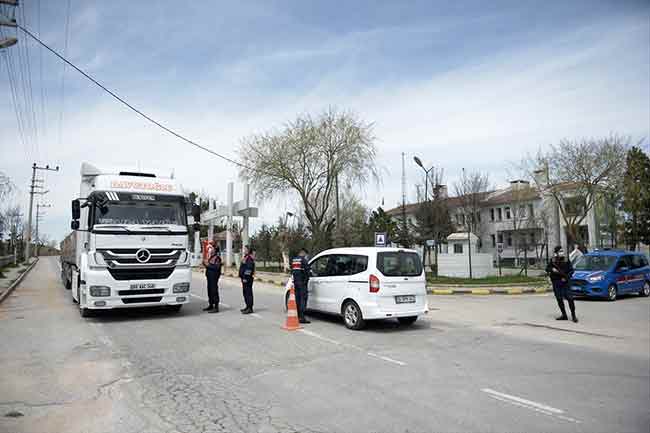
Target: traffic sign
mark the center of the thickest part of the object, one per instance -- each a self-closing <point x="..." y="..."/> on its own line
<point x="380" y="239"/>
<point x="431" y="242"/>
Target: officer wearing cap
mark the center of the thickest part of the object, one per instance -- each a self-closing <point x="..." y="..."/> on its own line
<point x="300" y="272"/>
<point x="559" y="270"/>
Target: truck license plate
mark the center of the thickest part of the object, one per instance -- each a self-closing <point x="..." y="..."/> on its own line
<point x="143" y="286"/>
<point x="407" y="299"/>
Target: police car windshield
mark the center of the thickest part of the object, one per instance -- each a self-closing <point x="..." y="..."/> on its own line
<point x="142" y="213"/>
<point x="594" y="263"/>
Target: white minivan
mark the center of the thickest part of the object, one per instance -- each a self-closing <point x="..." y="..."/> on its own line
<point x="368" y="283"/>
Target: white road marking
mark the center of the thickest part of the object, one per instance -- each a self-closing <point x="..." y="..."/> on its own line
<point x="256" y="315"/>
<point x="387" y="359"/>
<point x="206" y="300"/>
<point x="351" y="346"/>
<point x="529" y="404"/>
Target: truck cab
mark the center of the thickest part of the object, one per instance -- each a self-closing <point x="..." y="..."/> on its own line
<point x="129" y="245"/>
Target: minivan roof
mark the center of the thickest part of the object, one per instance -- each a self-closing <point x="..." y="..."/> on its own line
<point x="364" y="250"/>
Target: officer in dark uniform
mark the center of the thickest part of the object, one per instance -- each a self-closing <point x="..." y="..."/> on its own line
<point x="247" y="275"/>
<point x="559" y="270"/>
<point x="300" y="272"/>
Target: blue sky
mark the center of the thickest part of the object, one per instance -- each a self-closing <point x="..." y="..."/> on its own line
<point x="461" y="84"/>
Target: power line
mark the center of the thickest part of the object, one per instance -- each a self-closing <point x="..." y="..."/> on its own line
<point x="30" y="96"/>
<point x="131" y="107"/>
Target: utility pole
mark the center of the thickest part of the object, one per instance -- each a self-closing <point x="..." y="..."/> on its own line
<point x="33" y="186"/>
<point x="5" y="21"/>
<point x="38" y="217"/>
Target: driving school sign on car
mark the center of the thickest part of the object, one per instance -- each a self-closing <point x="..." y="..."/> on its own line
<point x="381" y="239"/>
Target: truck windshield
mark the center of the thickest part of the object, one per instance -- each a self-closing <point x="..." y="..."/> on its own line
<point x="594" y="263"/>
<point x="142" y="213"/>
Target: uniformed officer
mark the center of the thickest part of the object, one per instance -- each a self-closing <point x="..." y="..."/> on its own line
<point x="559" y="270"/>
<point x="247" y="275"/>
<point x="300" y="273"/>
<point x="212" y="273"/>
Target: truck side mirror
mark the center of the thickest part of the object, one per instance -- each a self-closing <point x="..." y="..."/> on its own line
<point x="76" y="209"/>
<point x="74" y="225"/>
<point x="196" y="212"/>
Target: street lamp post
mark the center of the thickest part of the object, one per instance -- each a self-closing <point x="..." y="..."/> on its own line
<point x="418" y="161"/>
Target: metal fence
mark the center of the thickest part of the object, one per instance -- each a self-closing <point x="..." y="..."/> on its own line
<point x="5" y="260"/>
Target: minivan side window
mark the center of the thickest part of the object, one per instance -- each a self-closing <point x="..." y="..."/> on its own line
<point x="319" y="266"/>
<point x="399" y="264"/>
<point x="624" y="261"/>
<point x="347" y="264"/>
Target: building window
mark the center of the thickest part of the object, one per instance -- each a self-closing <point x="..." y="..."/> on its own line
<point x="491" y="214"/>
<point x="509" y="240"/>
<point x="499" y="213"/>
<point x="507" y="213"/>
<point x="494" y="241"/>
<point x="531" y="212"/>
<point x="532" y="238"/>
<point x="500" y="237"/>
<point x="458" y="248"/>
<point x="522" y="212"/>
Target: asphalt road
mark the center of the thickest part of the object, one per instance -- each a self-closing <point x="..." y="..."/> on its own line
<point x="474" y="364"/>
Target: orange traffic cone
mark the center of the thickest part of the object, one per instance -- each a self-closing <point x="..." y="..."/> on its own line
<point x="292" y="310"/>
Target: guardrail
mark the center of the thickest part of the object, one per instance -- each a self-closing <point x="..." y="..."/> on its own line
<point x="6" y="260"/>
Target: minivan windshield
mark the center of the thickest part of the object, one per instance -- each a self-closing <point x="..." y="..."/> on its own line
<point x="594" y="263"/>
<point x="399" y="264"/>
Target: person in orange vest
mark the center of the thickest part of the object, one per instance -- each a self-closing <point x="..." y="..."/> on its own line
<point x="212" y="264"/>
<point x="247" y="275"/>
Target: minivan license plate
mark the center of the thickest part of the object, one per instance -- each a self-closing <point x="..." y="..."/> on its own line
<point x="143" y="286"/>
<point x="408" y="299"/>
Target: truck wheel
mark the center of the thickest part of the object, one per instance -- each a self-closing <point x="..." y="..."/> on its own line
<point x="352" y="316"/>
<point x="407" y="321"/>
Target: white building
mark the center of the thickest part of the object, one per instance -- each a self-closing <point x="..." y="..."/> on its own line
<point x="519" y="218"/>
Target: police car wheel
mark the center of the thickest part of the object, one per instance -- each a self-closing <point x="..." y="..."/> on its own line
<point x="612" y="293"/>
<point x="645" y="291"/>
<point x="352" y="316"/>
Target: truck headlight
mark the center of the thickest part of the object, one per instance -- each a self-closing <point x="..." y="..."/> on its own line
<point x="182" y="258"/>
<point x="596" y="278"/>
<point x="181" y="287"/>
<point x="98" y="258"/>
<point x="99" y="291"/>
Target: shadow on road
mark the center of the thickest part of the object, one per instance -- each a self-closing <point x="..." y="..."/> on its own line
<point x="376" y="326"/>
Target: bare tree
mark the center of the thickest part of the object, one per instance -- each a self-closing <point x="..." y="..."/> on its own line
<point x="578" y="172"/>
<point x="471" y="189"/>
<point x="309" y="157"/>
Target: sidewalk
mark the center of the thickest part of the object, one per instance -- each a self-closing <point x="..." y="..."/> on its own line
<point x="280" y="280"/>
<point x="12" y="275"/>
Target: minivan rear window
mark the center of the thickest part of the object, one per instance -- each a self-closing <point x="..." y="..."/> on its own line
<point x="399" y="264"/>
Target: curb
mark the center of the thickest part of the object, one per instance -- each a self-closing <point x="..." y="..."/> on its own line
<point x="495" y="291"/>
<point x="11" y="288"/>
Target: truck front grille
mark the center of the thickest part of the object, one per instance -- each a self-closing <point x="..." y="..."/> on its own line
<point x="141" y="292"/>
<point x="141" y="300"/>
<point x="141" y="273"/>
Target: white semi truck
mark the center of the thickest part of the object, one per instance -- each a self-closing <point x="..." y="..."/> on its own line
<point x="129" y="244"/>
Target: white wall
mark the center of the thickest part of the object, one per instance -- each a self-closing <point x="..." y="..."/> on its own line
<point x="457" y="265"/>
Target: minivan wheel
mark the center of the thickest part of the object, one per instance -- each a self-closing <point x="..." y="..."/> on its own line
<point x="645" y="291"/>
<point x="407" y="321"/>
<point x="612" y="293"/>
<point x="352" y="316"/>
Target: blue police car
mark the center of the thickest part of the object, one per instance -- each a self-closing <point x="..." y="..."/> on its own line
<point x="610" y="273"/>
